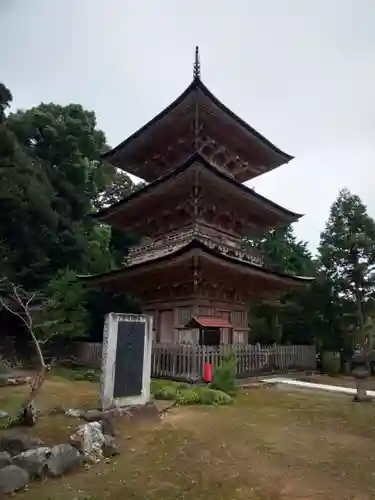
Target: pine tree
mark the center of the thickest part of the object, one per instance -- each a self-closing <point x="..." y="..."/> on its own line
<point x="347" y="261"/>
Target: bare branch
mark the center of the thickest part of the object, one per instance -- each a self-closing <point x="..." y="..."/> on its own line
<point x="30" y="300"/>
<point x="23" y="302"/>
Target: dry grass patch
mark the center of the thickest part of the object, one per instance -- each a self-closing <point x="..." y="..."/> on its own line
<point x="268" y="445"/>
<point x="56" y="392"/>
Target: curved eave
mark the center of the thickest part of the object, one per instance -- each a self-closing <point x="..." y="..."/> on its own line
<point x="195" y="85"/>
<point x="196" y="245"/>
<point x="242" y="123"/>
<point x="195" y="158"/>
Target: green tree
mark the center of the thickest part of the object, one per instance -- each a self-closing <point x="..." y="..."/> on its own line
<point x="286" y="319"/>
<point x="5" y="99"/>
<point x="66" y="143"/>
<point x="64" y="313"/>
<point x="66" y="140"/>
<point x="53" y="176"/>
<point x="29" y="223"/>
<point x="347" y="259"/>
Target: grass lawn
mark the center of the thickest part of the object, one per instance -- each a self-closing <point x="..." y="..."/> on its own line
<point x="270" y="444"/>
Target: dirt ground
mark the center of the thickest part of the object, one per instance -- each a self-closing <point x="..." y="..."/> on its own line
<point x="270" y="444"/>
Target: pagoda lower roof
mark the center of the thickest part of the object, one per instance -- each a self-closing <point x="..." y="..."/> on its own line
<point x="281" y="214"/>
<point x="182" y="252"/>
<point x="208" y="322"/>
<point x="198" y="105"/>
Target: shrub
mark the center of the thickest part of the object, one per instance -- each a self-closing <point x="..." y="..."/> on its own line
<point x="157" y="385"/>
<point x="167" y="392"/>
<point x="186" y="394"/>
<point x="224" y="376"/>
<point x="209" y="396"/>
<point x="188" y="397"/>
<point x="180" y="386"/>
<point x="331" y="363"/>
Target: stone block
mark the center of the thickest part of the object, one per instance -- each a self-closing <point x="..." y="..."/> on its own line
<point x="110" y="448"/>
<point x="107" y="427"/>
<point x="94" y="415"/>
<point x="33" y="461"/>
<point x="63" y="458"/>
<point x="5" y="459"/>
<point x="12" y="478"/>
<point x="16" y="443"/>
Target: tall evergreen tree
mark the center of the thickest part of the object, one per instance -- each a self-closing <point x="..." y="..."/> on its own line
<point x="347" y="260"/>
<point x="29" y="223"/>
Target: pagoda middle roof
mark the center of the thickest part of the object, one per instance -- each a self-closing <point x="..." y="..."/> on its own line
<point x="197" y="102"/>
<point x="183" y="252"/>
<point x="282" y="213"/>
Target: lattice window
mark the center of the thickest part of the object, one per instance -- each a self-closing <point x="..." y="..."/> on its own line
<point x="238" y="317"/>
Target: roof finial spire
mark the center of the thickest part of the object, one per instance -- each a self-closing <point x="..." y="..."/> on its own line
<point x="197" y="65"/>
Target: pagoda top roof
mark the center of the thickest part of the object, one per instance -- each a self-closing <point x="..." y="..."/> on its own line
<point x="192" y="247"/>
<point x="285" y="214"/>
<point x="196" y="104"/>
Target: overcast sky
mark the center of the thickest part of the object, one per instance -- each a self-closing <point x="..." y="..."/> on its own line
<point x="302" y="73"/>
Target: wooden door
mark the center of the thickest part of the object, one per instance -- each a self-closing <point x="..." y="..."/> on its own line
<point x="166" y="326"/>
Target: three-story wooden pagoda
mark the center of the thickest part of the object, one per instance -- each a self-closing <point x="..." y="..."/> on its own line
<point x="192" y="271"/>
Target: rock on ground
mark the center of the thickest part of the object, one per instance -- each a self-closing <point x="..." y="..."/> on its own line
<point x="63" y="458"/>
<point x="16" y="443"/>
<point x="107" y="427"/>
<point x="110" y="448"/>
<point x="89" y="440"/>
<point x="75" y="412"/>
<point x="12" y="478"/>
<point x="94" y="415"/>
<point x="5" y="459"/>
<point x="33" y="461"/>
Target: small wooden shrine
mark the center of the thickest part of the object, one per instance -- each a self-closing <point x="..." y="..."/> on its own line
<point x="192" y="272"/>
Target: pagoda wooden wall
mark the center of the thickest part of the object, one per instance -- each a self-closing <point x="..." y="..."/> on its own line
<point x="171" y="317"/>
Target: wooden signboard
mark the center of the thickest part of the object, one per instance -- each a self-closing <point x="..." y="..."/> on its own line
<point x="126" y="360"/>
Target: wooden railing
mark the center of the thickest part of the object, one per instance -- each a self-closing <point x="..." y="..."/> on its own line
<point x="185" y="362"/>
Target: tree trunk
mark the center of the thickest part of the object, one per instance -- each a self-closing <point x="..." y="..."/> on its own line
<point x="361" y="391"/>
<point x="28" y="410"/>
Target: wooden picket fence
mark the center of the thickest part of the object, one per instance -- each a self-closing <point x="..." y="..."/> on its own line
<point x="186" y="362"/>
